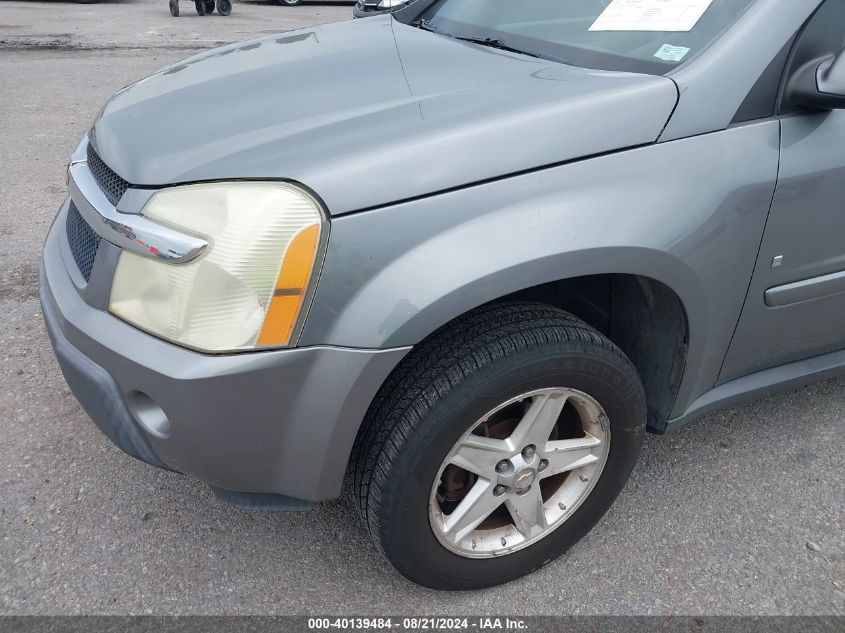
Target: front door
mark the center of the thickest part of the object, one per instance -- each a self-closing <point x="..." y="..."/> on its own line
<point x="795" y="307"/>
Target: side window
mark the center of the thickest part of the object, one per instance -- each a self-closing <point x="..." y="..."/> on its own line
<point x="762" y="100"/>
<point x="824" y="34"/>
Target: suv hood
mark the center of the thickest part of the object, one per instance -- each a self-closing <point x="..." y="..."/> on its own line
<point x="369" y="112"/>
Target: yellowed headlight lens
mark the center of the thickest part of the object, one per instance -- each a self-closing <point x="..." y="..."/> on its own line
<point x="248" y="289"/>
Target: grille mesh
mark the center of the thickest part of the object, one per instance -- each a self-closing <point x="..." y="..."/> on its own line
<point x="83" y="241"/>
<point x="112" y="185"/>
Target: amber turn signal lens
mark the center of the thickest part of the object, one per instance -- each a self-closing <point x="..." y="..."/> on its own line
<point x="291" y="288"/>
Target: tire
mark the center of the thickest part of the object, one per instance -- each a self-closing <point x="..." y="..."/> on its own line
<point x="209" y="7"/>
<point x="224" y="7"/>
<point x="174" y="8"/>
<point x="200" y="6"/>
<point x="435" y="398"/>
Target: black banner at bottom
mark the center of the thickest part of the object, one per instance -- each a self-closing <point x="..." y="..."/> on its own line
<point x="401" y="623"/>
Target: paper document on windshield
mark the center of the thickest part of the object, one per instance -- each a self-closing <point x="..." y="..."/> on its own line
<point x="651" y="15"/>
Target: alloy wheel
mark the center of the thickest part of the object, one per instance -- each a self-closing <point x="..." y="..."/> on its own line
<point x="519" y="473"/>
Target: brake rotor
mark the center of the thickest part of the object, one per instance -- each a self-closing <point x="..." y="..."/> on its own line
<point x="455" y="483"/>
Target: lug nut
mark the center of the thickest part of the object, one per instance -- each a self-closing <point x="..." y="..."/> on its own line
<point x="544" y="463"/>
<point x="528" y="452"/>
<point x="502" y="466"/>
<point x="499" y="490"/>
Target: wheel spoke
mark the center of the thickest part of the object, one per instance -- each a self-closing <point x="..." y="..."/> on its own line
<point x="471" y="511"/>
<point x="566" y="455"/>
<point x="480" y="455"/>
<point x="536" y="425"/>
<point x="527" y="511"/>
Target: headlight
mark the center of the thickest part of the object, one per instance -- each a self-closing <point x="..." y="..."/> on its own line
<point x="389" y="4"/>
<point x="248" y="290"/>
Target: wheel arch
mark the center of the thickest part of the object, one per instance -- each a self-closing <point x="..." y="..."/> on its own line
<point x="646" y="305"/>
<point x="644" y="316"/>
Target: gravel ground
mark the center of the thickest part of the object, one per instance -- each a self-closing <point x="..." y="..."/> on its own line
<point x="739" y="514"/>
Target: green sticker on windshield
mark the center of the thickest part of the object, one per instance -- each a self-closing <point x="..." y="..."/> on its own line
<point x="670" y="53"/>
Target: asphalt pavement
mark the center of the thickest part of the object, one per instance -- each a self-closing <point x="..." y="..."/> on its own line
<point x="741" y="513"/>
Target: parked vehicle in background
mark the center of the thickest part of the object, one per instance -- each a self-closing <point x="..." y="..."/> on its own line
<point x="204" y="7"/>
<point x="627" y="217"/>
<point x="293" y="3"/>
<point x="368" y="8"/>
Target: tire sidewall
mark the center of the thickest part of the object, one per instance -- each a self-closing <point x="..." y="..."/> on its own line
<point x="412" y="545"/>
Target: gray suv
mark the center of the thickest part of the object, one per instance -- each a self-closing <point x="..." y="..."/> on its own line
<point x="462" y="283"/>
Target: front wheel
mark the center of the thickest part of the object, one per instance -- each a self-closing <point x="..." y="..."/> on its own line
<point x="497" y="444"/>
<point x="174" y="8"/>
<point x="224" y="7"/>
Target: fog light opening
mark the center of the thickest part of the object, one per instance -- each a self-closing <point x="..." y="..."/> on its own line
<point x="149" y="415"/>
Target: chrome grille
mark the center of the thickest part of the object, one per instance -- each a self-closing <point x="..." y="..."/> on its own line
<point x="112" y="185"/>
<point x="83" y="241"/>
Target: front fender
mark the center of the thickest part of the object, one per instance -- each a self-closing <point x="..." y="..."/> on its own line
<point x="689" y="214"/>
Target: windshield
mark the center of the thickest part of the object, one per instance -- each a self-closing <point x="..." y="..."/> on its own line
<point x="645" y="36"/>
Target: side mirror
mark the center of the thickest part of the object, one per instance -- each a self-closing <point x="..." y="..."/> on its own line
<point x="819" y="84"/>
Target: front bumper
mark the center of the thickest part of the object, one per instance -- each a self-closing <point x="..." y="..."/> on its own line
<point x="279" y="422"/>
